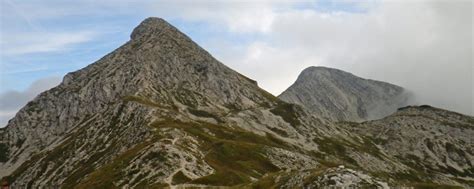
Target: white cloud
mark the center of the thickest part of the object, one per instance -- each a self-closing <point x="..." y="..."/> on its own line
<point x="38" y="42"/>
<point x="31" y="26"/>
<point x="12" y="101"/>
<point x="424" y="46"/>
<point x="236" y="16"/>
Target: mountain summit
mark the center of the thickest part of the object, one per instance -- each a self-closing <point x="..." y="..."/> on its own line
<point x="161" y="112"/>
<point x="342" y="96"/>
<point x="160" y="103"/>
<point x="152" y="26"/>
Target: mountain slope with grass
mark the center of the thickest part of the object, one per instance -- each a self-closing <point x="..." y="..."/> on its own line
<point x="161" y="112"/>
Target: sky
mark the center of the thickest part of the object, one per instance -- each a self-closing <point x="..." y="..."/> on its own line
<point x="423" y="46"/>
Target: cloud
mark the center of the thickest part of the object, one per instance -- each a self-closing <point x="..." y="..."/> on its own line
<point x="12" y="101"/>
<point x="424" y="46"/>
<point x="40" y="42"/>
<point x="236" y="16"/>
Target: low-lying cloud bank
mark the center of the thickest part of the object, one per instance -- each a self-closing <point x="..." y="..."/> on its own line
<point x="424" y="46"/>
<point x="12" y="101"/>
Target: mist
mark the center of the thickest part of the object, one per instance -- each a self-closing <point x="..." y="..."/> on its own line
<point x="423" y="46"/>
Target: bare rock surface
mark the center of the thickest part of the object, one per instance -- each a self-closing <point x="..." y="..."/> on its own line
<point x="342" y="96"/>
<point x="161" y="112"/>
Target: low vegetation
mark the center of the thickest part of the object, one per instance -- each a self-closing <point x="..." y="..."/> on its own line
<point x="287" y="112"/>
<point x="235" y="154"/>
<point x="4" y="152"/>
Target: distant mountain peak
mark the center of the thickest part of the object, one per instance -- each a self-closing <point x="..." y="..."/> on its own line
<point x="342" y="96"/>
<point x="161" y="112"/>
<point x="320" y="71"/>
<point x="319" y="68"/>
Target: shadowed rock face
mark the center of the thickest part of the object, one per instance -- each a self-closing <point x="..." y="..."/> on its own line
<point x="160" y="111"/>
<point x="341" y="96"/>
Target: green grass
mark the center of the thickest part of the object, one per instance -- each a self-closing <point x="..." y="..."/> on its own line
<point x="180" y="178"/>
<point x="432" y="185"/>
<point x="201" y="113"/>
<point x="336" y="148"/>
<point x="268" y="181"/>
<point x="157" y="156"/>
<point x="107" y="174"/>
<point x="369" y="146"/>
<point x="235" y="154"/>
<point x="240" y="160"/>
<point x="270" y="100"/>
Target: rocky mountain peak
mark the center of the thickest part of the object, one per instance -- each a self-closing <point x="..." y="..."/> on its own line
<point x="321" y="72"/>
<point x="160" y="71"/>
<point x="318" y="70"/>
<point x="161" y="112"/>
<point x="342" y="96"/>
<point x="151" y="26"/>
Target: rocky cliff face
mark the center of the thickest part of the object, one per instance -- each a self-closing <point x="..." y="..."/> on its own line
<point x="161" y="112"/>
<point x="341" y="96"/>
<point x="434" y="142"/>
<point x="146" y="100"/>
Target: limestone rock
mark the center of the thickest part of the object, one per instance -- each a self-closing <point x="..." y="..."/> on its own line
<point x="342" y="96"/>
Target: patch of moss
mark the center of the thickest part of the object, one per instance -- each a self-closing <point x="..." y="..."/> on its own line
<point x="453" y="171"/>
<point x="200" y="113"/>
<point x="368" y="146"/>
<point x="433" y="185"/>
<point x="407" y="176"/>
<point x="334" y="147"/>
<point x="116" y="118"/>
<point x="236" y="155"/>
<point x="4" y="151"/>
<point x="19" y="142"/>
<point x="158" y="156"/>
<point x="287" y="112"/>
<point x="75" y="177"/>
<point x="156" y="186"/>
<point x="235" y="163"/>
<point x="268" y="181"/>
<point x="105" y="176"/>
<point x="180" y="178"/>
<point x="211" y="133"/>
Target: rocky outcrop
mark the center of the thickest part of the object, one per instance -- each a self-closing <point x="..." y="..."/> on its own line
<point x="130" y="104"/>
<point x="434" y="142"/>
<point x="341" y="96"/>
<point x="160" y="111"/>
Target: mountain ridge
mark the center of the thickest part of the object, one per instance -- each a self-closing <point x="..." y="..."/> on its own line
<point x="160" y="112"/>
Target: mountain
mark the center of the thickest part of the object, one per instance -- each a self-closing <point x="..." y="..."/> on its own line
<point x="437" y="143"/>
<point x="160" y="103"/>
<point x="417" y="146"/>
<point x="342" y="96"/>
<point x="161" y="112"/>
